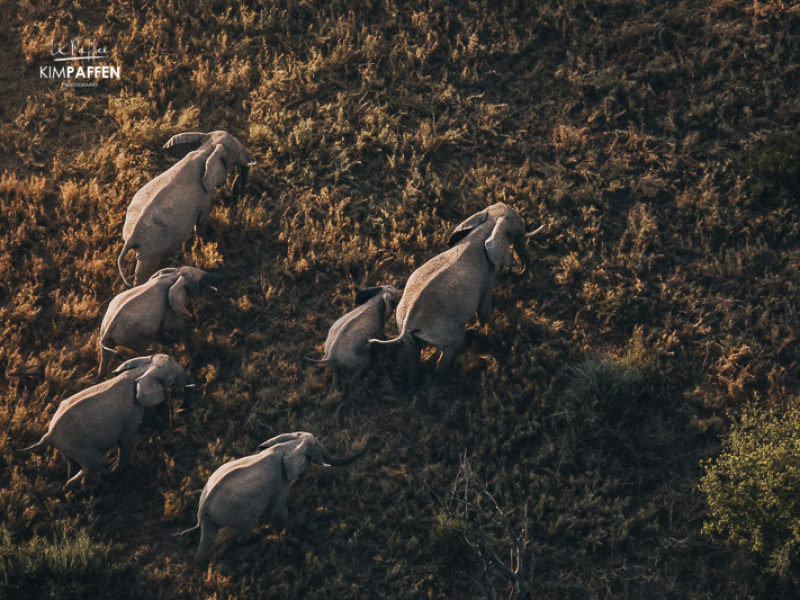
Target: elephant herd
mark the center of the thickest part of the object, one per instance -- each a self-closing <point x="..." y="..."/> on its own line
<point x="438" y="300"/>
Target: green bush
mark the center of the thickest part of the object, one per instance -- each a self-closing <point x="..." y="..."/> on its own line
<point x="753" y="490"/>
<point x="64" y="567"/>
<point x="775" y="167"/>
<point x="607" y="409"/>
<point x="447" y="532"/>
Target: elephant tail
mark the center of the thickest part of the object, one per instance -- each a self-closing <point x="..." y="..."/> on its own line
<point x="318" y="362"/>
<point x="190" y="530"/>
<point x="110" y="350"/>
<point x="41" y="442"/>
<point x="127" y="247"/>
<point x="400" y="338"/>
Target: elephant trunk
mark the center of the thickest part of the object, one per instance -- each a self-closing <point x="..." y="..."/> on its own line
<point x="240" y="182"/>
<point x="210" y="280"/>
<point x="189" y="396"/>
<point x="522" y="252"/>
<point x="341" y="462"/>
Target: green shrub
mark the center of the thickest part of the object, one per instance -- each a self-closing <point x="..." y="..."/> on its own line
<point x="66" y="566"/>
<point x="447" y="532"/>
<point x="753" y="490"/>
<point x="604" y="405"/>
<point x="775" y="167"/>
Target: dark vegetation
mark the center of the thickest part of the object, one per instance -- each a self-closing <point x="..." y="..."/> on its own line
<point x="752" y="490"/>
<point x="656" y="141"/>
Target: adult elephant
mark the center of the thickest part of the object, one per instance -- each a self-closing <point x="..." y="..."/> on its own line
<point x="239" y="491"/>
<point x="139" y="316"/>
<point x="163" y="213"/>
<point x="443" y="294"/>
<point x="92" y="422"/>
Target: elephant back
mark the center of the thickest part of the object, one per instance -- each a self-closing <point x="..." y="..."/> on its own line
<point x="138" y="205"/>
<point x="240" y="486"/>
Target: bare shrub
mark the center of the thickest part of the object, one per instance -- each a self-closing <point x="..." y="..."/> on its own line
<point x="471" y="523"/>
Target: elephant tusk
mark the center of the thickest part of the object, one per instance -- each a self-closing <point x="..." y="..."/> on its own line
<point x="532" y="233"/>
<point x="325" y="465"/>
<point x="213" y="288"/>
<point x="190" y="385"/>
<point x="251" y="164"/>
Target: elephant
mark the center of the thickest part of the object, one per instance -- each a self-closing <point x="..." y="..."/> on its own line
<point x="92" y="422"/>
<point x="442" y="295"/>
<point x="163" y="213"/>
<point x="240" y="490"/>
<point x="347" y="345"/>
<point x="140" y="315"/>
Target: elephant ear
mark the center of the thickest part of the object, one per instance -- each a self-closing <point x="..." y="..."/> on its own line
<point x="389" y="299"/>
<point x="296" y="460"/>
<point x="133" y="363"/>
<point x="149" y="389"/>
<point x="462" y="231"/>
<point x="177" y="295"/>
<point x="183" y="143"/>
<point x="163" y="272"/>
<point x="497" y="245"/>
<point x="214" y="173"/>
<point x="364" y="295"/>
<point x="280" y="439"/>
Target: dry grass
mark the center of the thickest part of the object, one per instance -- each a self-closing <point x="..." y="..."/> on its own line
<point x="635" y="131"/>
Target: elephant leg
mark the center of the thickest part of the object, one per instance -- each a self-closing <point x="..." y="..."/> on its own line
<point x="337" y="377"/>
<point x="354" y="379"/>
<point x="150" y="420"/>
<point x="75" y="481"/>
<point x="72" y="465"/>
<point x="280" y="517"/>
<point x="171" y="323"/>
<point x="245" y="528"/>
<point x="279" y="510"/>
<point x="448" y="354"/>
<point x="125" y="453"/>
<point x="105" y="356"/>
<point x="413" y="350"/>
<point x="485" y="307"/>
<point x="201" y="226"/>
<point x="208" y="529"/>
<point x="126" y="444"/>
<point x="91" y="460"/>
<point x="146" y="265"/>
<point x="244" y="537"/>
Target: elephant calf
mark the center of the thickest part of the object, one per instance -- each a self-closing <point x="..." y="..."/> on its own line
<point x="348" y="342"/>
<point x="442" y="295"/>
<point x="163" y="213"/>
<point x="137" y="317"/>
<point x="239" y="491"/>
<point x="92" y="422"/>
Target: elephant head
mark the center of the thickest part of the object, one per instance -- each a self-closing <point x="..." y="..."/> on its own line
<point x="389" y="295"/>
<point x="508" y="229"/>
<point x="189" y="282"/>
<point x="223" y="151"/>
<point x="302" y="448"/>
<point x="153" y="375"/>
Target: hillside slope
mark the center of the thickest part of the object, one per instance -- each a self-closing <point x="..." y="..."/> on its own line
<point x="649" y="138"/>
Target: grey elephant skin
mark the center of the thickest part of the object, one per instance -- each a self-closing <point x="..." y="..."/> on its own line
<point x="239" y="491"/>
<point x="348" y="345"/>
<point x="92" y="422"/>
<point x="442" y="295"/>
<point x="137" y="317"/>
<point x="163" y="213"/>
